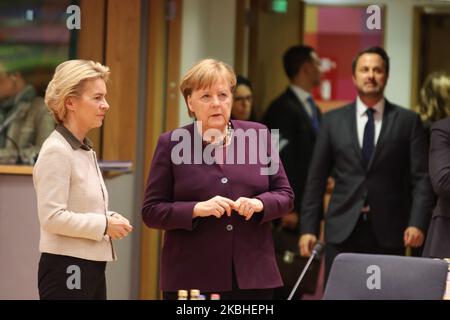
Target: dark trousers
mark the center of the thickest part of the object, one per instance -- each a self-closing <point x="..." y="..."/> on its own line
<point x="67" y="278"/>
<point x="361" y="240"/>
<point x="234" y="294"/>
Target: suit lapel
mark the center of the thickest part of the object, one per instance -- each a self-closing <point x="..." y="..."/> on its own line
<point x="388" y="121"/>
<point x="354" y="133"/>
<point x="299" y="108"/>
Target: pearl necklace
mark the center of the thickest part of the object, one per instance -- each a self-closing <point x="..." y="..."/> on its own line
<point x="227" y="139"/>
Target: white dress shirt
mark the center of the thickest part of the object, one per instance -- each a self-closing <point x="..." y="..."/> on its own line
<point x="361" y="118"/>
<point x="303" y="96"/>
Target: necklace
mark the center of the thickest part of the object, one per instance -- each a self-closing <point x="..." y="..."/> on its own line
<point x="229" y="134"/>
<point x="226" y="139"/>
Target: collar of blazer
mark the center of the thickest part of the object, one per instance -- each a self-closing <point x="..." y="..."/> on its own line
<point x="389" y="116"/>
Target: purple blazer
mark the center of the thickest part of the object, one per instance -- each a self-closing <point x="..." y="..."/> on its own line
<point x="199" y="253"/>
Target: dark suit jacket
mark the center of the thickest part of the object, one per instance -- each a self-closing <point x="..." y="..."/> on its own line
<point x="440" y="165"/>
<point x="396" y="183"/>
<point x="288" y="114"/>
<point x="200" y="253"/>
<point x="438" y="238"/>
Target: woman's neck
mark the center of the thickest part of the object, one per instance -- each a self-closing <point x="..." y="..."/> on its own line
<point x="78" y="132"/>
<point x="209" y="135"/>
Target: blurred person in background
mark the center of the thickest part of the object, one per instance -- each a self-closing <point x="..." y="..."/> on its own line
<point x="24" y="119"/>
<point x="434" y="111"/>
<point x="242" y="108"/>
<point x="434" y="102"/>
<point x="377" y="153"/>
<point x="297" y="117"/>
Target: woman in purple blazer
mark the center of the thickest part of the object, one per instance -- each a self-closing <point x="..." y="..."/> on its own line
<point x="215" y="186"/>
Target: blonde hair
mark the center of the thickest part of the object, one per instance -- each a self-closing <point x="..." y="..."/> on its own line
<point x="203" y="75"/>
<point x="68" y="82"/>
<point x="435" y="97"/>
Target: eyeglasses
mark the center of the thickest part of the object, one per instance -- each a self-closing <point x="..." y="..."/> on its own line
<point x="248" y="98"/>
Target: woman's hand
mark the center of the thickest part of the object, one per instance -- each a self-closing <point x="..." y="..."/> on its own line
<point x="118" y="227"/>
<point x="246" y="206"/>
<point x="216" y="206"/>
<point x="120" y="217"/>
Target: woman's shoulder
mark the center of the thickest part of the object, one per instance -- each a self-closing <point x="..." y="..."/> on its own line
<point x="176" y="134"/>
<point x="443" y="124"/>
<point x="55" y="143"/>
<point x="55" y="153"/>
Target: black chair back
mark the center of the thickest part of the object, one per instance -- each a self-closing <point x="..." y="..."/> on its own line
<point x="385" y="277"/>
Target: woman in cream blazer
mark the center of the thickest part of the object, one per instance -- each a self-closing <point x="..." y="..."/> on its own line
<point x="77" y="228"/>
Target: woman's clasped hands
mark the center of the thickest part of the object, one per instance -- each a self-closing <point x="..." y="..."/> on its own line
<point x="218" y="206"/>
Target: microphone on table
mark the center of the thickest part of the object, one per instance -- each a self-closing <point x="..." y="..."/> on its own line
<point x="316" y="252"/>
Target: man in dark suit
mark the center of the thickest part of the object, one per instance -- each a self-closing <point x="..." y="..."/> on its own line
<point x="297" y="117"/>
<point x="377" y="154"/>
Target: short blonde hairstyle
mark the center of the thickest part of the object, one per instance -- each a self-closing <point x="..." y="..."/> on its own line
<point x="203" y="75"/>
<point x="68" y="82"/>
<point x="435" y="97"/>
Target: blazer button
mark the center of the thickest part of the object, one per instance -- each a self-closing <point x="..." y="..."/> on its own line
<point x="224" y="180"/>
<point x="229" y="227"/>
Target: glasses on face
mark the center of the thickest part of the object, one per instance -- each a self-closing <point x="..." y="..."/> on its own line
<point x="248" y="98"/>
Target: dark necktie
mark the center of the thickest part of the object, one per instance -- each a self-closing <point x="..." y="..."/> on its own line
<point x="314" y="114"/>
<point x="369" y="137"/>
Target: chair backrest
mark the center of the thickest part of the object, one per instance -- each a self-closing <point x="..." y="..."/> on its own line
<point x="372" y="277"/>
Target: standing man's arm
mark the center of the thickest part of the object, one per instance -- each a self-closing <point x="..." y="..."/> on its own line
<point x="312" y="204"/>
<point x="422" y="193"/>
